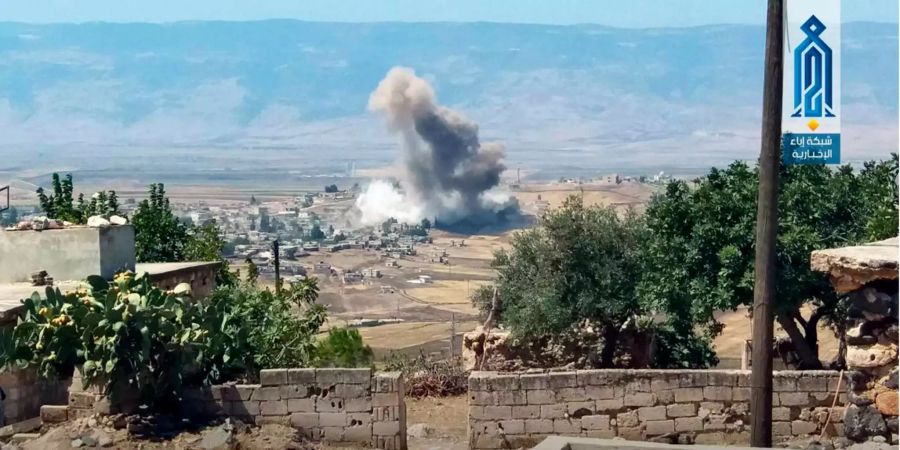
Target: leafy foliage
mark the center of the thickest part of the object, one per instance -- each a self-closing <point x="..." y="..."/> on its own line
<point x="700" y="247"/>
<point x="343" y="347"/>
<point x="159" y="235"/>
<point x="204" y="243"/>
<point x="427" y="376"/>
<point x="331" y="188"/>
<point x="61" y="205"/>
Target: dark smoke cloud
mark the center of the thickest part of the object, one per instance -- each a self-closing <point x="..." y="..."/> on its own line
<point x="449" y="173"/>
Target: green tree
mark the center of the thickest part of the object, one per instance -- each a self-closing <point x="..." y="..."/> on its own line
<point x="577" y="268"/>
<point x="252" y="272"/>
<point x="59" y="204"/>
<point x="331" y="188"/>
<point x="205" y="243"/>
<point x="699" y="251"/>
<point x="426" y="224"/>
<point x="343" y="347"/>
<point x="304" y="292"/>
<point x="159" y="235"/>
<point x="316" y="233"/>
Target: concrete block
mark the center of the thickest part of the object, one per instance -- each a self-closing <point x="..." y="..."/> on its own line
<point x="595" y="422"/>
<point x="333" y="419"/>
<point x="534" y="381"/>
<point x="273" y="408"/>
<point x="800" y="428"/>
<point x="386" y="428"/>
<point x="503" y="383"/>
<point x="541" y="397"/>
<point x="238" y="392"/>
<point x="273" y="377"/>
<point x="812" y="383"/>
<point x="571" y="394"/>
<point x="357" y="405"/>
<point x="658" y="427"/>
<point x="479" y="381"/>
<point x="741" y="394"/>
<point x="301" y="405"/>
<point x="390" y="381"/>
<point x="688" y="424"/>
<point x="243" y="409"/>
<point x="715" y="422"/>
<point x="358" y="433"/>
<point x="304" y="420"/>
<point x="681" y="410"/>
<point x="329" y="404"/>
<point x="54" y="413"/>
<point x="555" y="411"/>
<point x="517" y="397"/>
<point x="783" y="383"/>
<point x="578" y="409"/>
<point x="301" y="376"/>
<point x="782" y="429"/>
<point x="344" y="390"/>
<point x="333" y="434"/>
<point x="327" y="377"/>
<point x="294" y="391"/>
<point x="781" y="413"/>
<point x="793" y="398"/>
<point x="268" y="393"/>
<point x="718" y="393"/>
<point x="481" y="398"/>
<point x="628" y="420"/>
<point x="497" y="412"/>
<point x="354" y="419"/>
<point x="514" y="426"/>
<point x="689" y="395"/>
<point x="475" y="412"/>
<point x="638" y="385"/>
<point x="525" y="412"/>
<point x="599" y="392"/>
<point x="539" y="426"/>
<point x="567" y="426"/>
<point x="562" y="380"/>
<point x="357" y="376"/>
<point x="640" y="399"/>
<point x="610" y="405"/>
<point x="665" y="396"/>
<point x="652" y="413"/>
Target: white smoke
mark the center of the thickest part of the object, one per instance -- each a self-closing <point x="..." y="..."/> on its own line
<point x="447" y="173"/>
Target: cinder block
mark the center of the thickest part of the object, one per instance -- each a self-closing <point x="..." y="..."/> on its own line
<point x="517" y="397"/>
<point x="354" y="419"/>
<point x="503" y="382"/>
<point x="688" y="424"/>
<point x="273" y="377"/>
<point x="562" y="380"/>
<point x="539" y="426"/>
<point x="390" y="381"/>
<point x="301" y="405"/>
<point x="665" y="396"/>
<point x="301" y="376"/>
<point x="525" y="412"/>
<point x="386" y="428"/>
<point x="514" y="426"/>
<point x="304" y="420"/>
<point x="637" y="386"/>
<point x="741" y="394"/>
<point x="567" y="426"/>
<point x="273" y="408"/>
<point x="555" y="411"/>
<point x="534" y="381"/>
<point x="628" y="419"/>
<point x="481" y="398"/>
<point x="497" y="412"/>
<point x="658" y="427"/>
<point x="580" y="408"/>
<point x="715" y="422"/>
<point x="333" y="434"/>
<point x="358" y="433"/>
<point x="595" y="422"/>
<point x="267" y="393"/>
<point x="54" y="413"/>
<point x="782" y="429"/>
<point x="357" y="376"/>
<point x="571" y="394"/>
<point x="800" y="428"/>
<point x="718" y="393"/>
<point x="351" y="390"/>
<point x="689" y="395"/>
<point x="243" y="409"/>
<point x="652" y="413"/>
<point x="599" y="392"/>
<point x="640" y="399"/>
<point x="784" y="383"/>
<point x="681" y="410"/>
<point x="329" y="404"/>
<point x="333" y="419"/>
<point x="294" y="391"/>
<point x="479" y="381"/>
<point x="793" y="398"/>
<point x="781" y="413"/>
<point x="361" y="404"/>
<point x="540" y="397"/>
<point x="329" y="376"/>
<point x="610" y="405"/>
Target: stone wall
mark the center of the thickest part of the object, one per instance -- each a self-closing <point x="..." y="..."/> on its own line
<point x="510" y="410"/>
<point x="332" y="405"/>
<point x="26" y="392"/>
<point x="865" y="277"/>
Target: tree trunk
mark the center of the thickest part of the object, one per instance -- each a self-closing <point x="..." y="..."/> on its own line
<point x="610" y="341"/>
<point x="808" y="359"/>
<point x="811" y="331"/>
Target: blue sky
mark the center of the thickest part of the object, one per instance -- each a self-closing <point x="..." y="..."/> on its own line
<point x="631" y="13"/>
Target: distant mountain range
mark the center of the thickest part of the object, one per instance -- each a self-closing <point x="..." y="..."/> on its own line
<point x="556" y="96"/>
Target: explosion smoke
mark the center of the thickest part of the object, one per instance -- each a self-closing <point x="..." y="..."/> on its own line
<point x="448" y="173"/>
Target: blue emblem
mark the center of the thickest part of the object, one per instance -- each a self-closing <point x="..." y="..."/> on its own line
<point x="812" y="73"/>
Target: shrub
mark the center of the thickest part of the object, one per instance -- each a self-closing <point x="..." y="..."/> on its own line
<point x="427" y="376"/>
<point x="343" y="347"/>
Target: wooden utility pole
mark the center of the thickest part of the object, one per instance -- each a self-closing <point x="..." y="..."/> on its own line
<point x="766" y="231"/>
<point x="277" y="266"/>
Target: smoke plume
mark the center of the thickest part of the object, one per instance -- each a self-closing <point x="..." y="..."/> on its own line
<point x="448" y="173"/>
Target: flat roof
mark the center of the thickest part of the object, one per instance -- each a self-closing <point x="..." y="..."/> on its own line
<point x="168" y="267"/>
<point x="12" y="294"/>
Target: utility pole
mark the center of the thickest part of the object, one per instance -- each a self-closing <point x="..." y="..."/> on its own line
<point x="277" y="267"/>
<point x="452" y="335"/>
<point x="766" y="231"/>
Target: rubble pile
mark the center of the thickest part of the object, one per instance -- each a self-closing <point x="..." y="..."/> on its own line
<point x="42" y="223"/>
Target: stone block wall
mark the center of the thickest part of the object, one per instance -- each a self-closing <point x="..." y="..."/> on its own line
<point x="26" y="392"/>
<point x="332" y="405"/>
<point x="511" y="410"/>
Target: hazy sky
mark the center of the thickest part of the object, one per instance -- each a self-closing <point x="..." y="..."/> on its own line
<point x="630" y="13"/>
